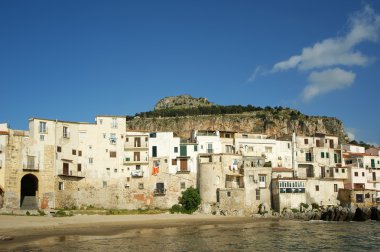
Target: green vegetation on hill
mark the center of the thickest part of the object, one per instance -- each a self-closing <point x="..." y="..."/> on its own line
<point x="214" y="110"/>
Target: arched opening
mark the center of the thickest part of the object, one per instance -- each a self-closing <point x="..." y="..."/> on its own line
<point x="29" y="188"/>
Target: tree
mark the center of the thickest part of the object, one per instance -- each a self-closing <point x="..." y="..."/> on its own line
<point x="190" y="200"/>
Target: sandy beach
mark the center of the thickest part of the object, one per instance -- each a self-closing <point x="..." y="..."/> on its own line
<point x="29" y="228"/>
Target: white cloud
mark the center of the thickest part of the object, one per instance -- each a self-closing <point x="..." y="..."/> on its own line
<point x="363" y="26"/>
<point x="326" y="81"/>
<point x="351" y="133"/>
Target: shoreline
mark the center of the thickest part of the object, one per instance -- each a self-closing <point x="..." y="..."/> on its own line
<point x="24" y="229"/>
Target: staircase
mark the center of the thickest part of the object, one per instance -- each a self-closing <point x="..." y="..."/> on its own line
<point x="29" y="203"/>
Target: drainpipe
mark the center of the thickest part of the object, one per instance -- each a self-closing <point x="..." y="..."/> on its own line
<point x="294" y="156"/>
<point x="55" y="159"/>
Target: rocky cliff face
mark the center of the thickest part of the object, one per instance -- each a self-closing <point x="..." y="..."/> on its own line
<point x="273" y="124"/>
<point x="182" y="101"/>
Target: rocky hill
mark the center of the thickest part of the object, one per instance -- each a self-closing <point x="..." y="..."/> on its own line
<point x="182" y="101"/>
<point x="276" y="122"/>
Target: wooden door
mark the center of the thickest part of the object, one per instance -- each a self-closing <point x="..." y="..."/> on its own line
<point x="65" y="169"/>
<point x="183" y="164"/>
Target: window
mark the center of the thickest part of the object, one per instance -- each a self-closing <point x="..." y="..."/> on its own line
<point x="262" y="181"/>
<point x="42" y="138"/>
<point x="136" y="156"/>
<point x="174" y="161"/>
<point x="317" y="188"/>
<point x="104" y="184"/>
<point x="258" y="194"/>
<point x="268" y="149"/>
<point x="141" y="186"/>
<point x="359" y="198"/>
<point x="153" y="135"/>
<point x="183" y="185"/>
<point x="79" y="167"/>
<point x="175" y="149"/>
<point x="104" y="135"/>
<point x="74" y="152"/>
<point x="80" y="153"/>
<point x="100" y="121"/>
<point x="306" y="141"/>
<point x="335" y="187"/>
<point x="209" y="148"/>
<point x="114" y="123"/>
<point x="112" y="154"/>
<point x="343" y="170"/>
<point x="126" y="139"/>
<point x="108" y="169"/>
<point x="245" y="136"/>
<point x="288" y="145"/>
<point x="251" y="178"/>
<point x="137" y="142"/>
<point x="327" y="155"/>
<point x="61" y="186"/>
<point x="154" y="151"/>
<point x="195" y="147"/>
<point x="115" y="170"/>
<point x="322" y="155"/>
<point x="356" y="174"/>
<point x="90" y="160"/>
<point x="308" y="157"/>
<point x="65" y="132"/>
<point x="363" y="174"/>
<point x="113" y="138"/>
<point x="59" y="148"/>
<point x="43" y="128"/>
<point x="336" y="170"/>
<point x="228" y="194"/>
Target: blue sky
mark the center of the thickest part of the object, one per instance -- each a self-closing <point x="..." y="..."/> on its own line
<point x="72" y="60"/>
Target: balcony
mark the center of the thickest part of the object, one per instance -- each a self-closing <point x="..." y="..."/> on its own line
<point x="137" y="147"/>
<point x="305" y="160"/>
<point x="75" y="174"/>
<point x="137" y="174"/>
<point x="30" y="167"/>
<point x="183" y="171"/>
<point x="159" y="192"/>
<point x="128" y="161"/>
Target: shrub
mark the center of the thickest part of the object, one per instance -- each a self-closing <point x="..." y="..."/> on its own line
<point x="41" y="213"/>
<point x="315" y="206"/>
<point x="176" y="209"/>
<point x="295" y="210"/>
<point x="190" y="200"/>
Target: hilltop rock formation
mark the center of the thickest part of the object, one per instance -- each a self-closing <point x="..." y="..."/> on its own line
<point x="182" y="101"/>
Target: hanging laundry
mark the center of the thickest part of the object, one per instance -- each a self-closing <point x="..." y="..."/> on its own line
<point x="156" y="165"/>
<point x="234" y="165"/>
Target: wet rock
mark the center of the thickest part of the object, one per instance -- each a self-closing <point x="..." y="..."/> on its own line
<point x="264" y="208"/>
<point x="6" y="238"/>
<point x="361" y="214"/>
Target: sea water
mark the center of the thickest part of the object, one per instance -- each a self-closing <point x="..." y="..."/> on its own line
<point x="271" y="235"/>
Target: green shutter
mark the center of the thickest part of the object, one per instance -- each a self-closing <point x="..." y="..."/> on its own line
<point x="327" y="155"/>
<point x="372" y="163"/>
<point x="195" y="147"/>
<point x="183" y="151"/>
<point x="154" y="151"/>
<point x="322" y="155"/>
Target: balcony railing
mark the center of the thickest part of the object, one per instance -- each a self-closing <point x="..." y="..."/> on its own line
<point x="30" y="167"/>
<point x="127" y="161"/>
<point x="70" y="173"/>
<point x="179" y="171"/>
<point x="159" y="192"/>
<point x="132" y="146"/>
